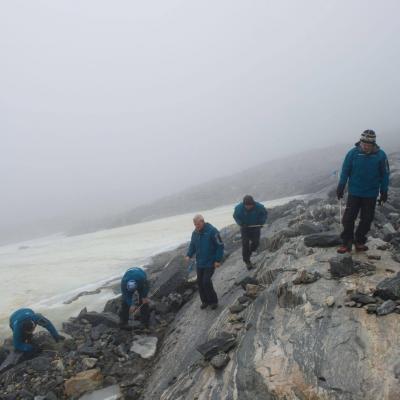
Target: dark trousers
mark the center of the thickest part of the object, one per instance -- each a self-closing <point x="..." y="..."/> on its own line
<point x="355" y="205"/>
<point x="250" y="242"/>
<point x="144" y="312"/>
<point x="206" y="288"/>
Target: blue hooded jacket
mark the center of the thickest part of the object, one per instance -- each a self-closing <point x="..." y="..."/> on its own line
<point x="256" y="216"/>
<point x="207" y="245"/>
<point x="138" y="275"/>
<point x="368" y="174"/>
<point x="16" y="321"/>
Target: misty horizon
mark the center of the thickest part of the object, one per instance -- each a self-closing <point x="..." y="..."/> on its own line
<point x="107" y="108"/>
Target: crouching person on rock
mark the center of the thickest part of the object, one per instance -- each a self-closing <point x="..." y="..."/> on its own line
<point x="134" y="289"/>
<point x="366" y="169"/>
<point x="23" y="323"/>
<point x="207" y="245"/>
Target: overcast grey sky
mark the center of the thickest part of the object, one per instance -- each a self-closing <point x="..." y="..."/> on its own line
<point x="106" y="104"/>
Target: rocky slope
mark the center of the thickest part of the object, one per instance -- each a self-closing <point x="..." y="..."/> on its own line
<point x="305" y="324"/>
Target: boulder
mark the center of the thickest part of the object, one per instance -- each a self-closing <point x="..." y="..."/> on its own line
<point x="220" y="361"/>
<point x="109" y="393"/>
<point x="83" y="382"/>
<point x="175" y="301"/>
<point x="220" y="344"/>
<point x="89" y="363"/>
<point x="386" y="308"/>
<point x="98" y="331"/>
<point x="363" y="298"/>
<point x="244" y="299"/>
<point x="41" y="364"/>
<point x="304" y="277"/>
<point x="371" y="308"/>
<point x="389" y="288"/>
<point x="246" y="280"/>
<point x="308" y="228"/>
<point x="253" y="290"/>
<point x="341" y="265"/>
<point x="322" y="240"/>
<point x="330" y="301"/>
<point x="236" y="308"/>
<point x="106" y="318"/>
<point x="145" y="346"/>
<point x="89" y="351"/>
<point x="388" y="232"/>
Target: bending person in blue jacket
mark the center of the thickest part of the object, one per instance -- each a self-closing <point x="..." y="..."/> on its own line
<point x="207" y="245"/>
<point x="250" y="216"/>
<point x="135" y="289"/>
<point x="366" y="169"/>
<point x="23" y="323"/>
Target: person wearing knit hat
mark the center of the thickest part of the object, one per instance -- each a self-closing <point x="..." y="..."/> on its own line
<point x="366" y="171"/>
<point x="250" y="216"/>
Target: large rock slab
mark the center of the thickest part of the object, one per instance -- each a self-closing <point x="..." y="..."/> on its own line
<point x="327" y="239"/>
<point x="145" y="346"/>
<point x="389" y="288"/>
<point x="83" y="382"/>
<point x="220" y="344"/>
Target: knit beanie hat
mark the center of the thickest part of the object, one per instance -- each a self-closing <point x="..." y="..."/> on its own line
<point x="368" y="136"/>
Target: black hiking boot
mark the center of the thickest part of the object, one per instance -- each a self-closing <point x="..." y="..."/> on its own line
<point x="214" y="306"/>
<point x="203" y="306"/>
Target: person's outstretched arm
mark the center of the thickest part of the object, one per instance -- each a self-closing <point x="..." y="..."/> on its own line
<point x="45" y="323"/>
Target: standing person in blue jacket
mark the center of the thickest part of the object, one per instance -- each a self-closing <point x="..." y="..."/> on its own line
<point x="134" y="284"/>
<point x="23" y="323"/>
<point x="250" y="216"/>
<point x="207" y="245"/>
<point x="366" y="169"/>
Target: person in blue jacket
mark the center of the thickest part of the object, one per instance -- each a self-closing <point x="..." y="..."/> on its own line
<point x="366" y="170"/>
<point x="250" y="216"/>
<point x="135" y="289"/>
<point x="207" y="245"/>
<point x="23" y="323"/>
